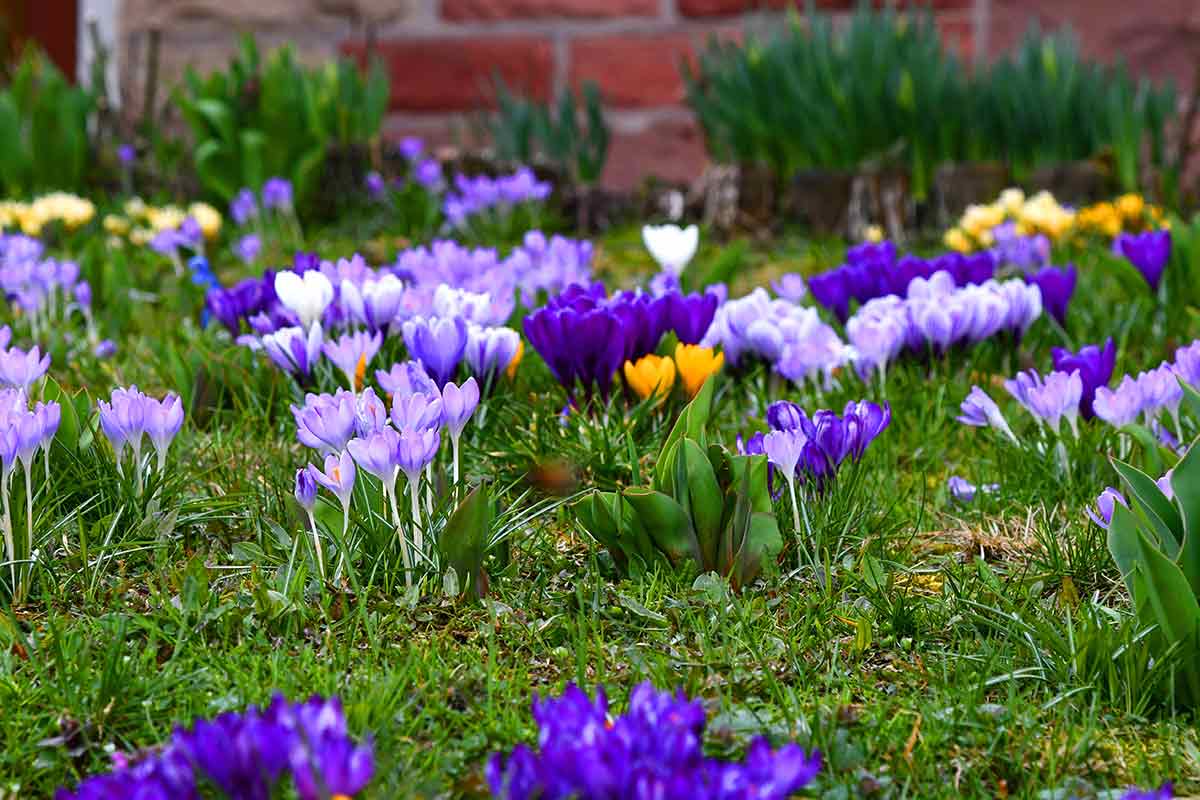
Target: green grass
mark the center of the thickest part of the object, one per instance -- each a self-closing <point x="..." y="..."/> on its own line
<point x="928" y="650"/>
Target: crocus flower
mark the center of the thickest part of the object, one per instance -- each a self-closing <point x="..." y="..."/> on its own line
<point x="307" y="296"/>
<point x="407" y="377"/>
<point x="1121" y="406"/>
<point x="964" y="491"/>
<point x="374" y="303"/>
<point x="126" y="154"/>
<point x="865" y="421"/>
<point x="244" y="207"/>
<point x="1102" y="516"/>
<point x="22" y="368"/>
<point x="428" y="174"/>
<point x="277" y="194"/>
<point x="1187" y="364"/>
<point x="338" y="476"/>
<point x="376" y="455"/>
<point x="458" y="404"/>
<point x="1094" y="365"/>
<point x="248" y="247"/>
<point x="416" y="411"/>
<point x="490" y="350"/>
<point x="1056" y="397"/>
<point x="411" y="147"/>
<point x="1164" y="792"/>
<point x="690" y="315"/>
<point x="370" y="413"/>
<point x="293" y="350"/>
<point x="784" y="449"/>
<point x="981" y="411"/>
<point x="437" y="343"/>
<point x="784" y="415"/>
<point x="306" y="490"/>
<point x="352" y="353"/>
<point x="651" y="376"/>
<point x="671" y="246"/>
<point x="695" y="365"/>
<point x="123" y="420"/>
<point x="326" y="422"/>
<point x="163" y="419"/>
<point x="1149" y="252"/>
<point x="415" y="451"/>
<point x="790" y="287"/>
<point x="376" y="186"/>
<point x="1057" y="286"/>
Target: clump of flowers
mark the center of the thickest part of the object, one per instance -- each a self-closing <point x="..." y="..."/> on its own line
<point x="482" y="196"/>
<point x="655" y="749"/>
<point x="130" y="416"/>
<point x="248" y="754"/>
<point x="141" y="222"/>
<point x="71" y="210"/>
<point x="876" y="270"/>
<point x="981" y="226"/>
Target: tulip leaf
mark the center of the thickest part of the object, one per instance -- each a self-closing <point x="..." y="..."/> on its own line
<point x="463" y="543"/>
<point x="1190" y="397"/>
<point x="1163" y="516"/>
<point x="760" y="546"/>
<point x="690" y="424"/>
<point x="1185" y="482"/>
<point x="1159" y="588"/>
<point x="706" y="501"/>
<point x="595" y="515"/>
<point x="667" y="525"/>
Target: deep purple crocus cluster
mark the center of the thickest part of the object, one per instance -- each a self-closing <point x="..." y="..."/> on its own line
<point x="654" y="751"/>
<point x="791" y="338"/>
<point x="471" y="197"/>
<point x="875" y="270"/>
<point x="937" y="316"/>
<point x="815" y="447"/>
<point x="584" y="335"/>
<point x="245" y="756"/>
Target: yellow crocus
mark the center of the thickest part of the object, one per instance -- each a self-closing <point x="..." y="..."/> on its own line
<point x="873" y="233"/>
<point x="651" y="375"/>
<point x="207" y="217"/>
<point x="118" y="226"/>
<point x="955" y="239"/>
<point x="1130" y="206"/>
<point x="696" y="364"/>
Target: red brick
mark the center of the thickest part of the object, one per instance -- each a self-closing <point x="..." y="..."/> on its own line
<point x="491" y="10"/>
<point x="672" y="150"/>
<point x="718" y="8"/>
<point x="458" y="74"/>
<point x="958" y="35"/>
<point x="633" y="71"/>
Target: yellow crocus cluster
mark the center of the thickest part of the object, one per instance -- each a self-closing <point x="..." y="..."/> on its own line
<point x="71" y="210"/>
<point x="655" y="375"/>
<point x="140" y="221"/>
<point x="1129" y="213"/>
<point x="1043" y="214"/>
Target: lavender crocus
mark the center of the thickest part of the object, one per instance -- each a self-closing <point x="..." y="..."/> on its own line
<point x="783" y="415"/>
<point x="123" y="421"/>
<point x="374" y="303"/>
<point x="352" y="353"/>
<point x="370" y="413"/>
<point x="1057" y="286"/>
<point x="1105" y="503"/>
<point x="376" y="455"/>
<point x="1149" y="252"/>
<point x="784" y="449"/>
<point x="1094" y="365"/>
<point x="277" y="194"/>
<point x="980" y="410"/>
<point x="490" y="350"/>
<point x="790" y="287"/>
<point x="1056" y="397"/>
<point x="1121" y="406"/>
<point x="414" y="452"/>
<point x="438" y="343"/>
<point x="306" y="496"/>
<point x="294" y="350"/>
<point x="407" y="377"/>
<point x="244" y="207"/>
<point x="963" y="491"/>
<point x="417" y="411"/>
<point x="247" y="248"/>
<point x="338" y="477"/>
<point x="458" y="404"/>
<point x="326" y="422"/>
<point x="163" y="419"/>
<point x="22" y="368"/>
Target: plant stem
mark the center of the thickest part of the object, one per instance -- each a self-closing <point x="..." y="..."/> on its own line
<point x="28" y="514"/>
<point x="10" y="550"/>
<point x="454" y="448"/>
<point x="312" y="522"/>
<point x="404" y="553"/>
<point x="795" y="506"/>
<point x="418" y="534"/>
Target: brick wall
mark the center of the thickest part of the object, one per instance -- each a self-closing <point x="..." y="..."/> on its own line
<point x="443" y="53"/>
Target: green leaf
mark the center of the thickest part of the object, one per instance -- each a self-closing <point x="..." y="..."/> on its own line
<point x="1162" y="515"/>
<point x="68" y="427"/>
<point x="1185" y="482"/>
<point x="705" y="500"/>
<point x="1160" y="591"/>
<point x="667" y="525"/>
<point x="463" y="543"/>
<point x="691" y="424"/>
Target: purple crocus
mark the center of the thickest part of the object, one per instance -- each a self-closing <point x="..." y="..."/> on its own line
<point x="374" y="303"/>
<point x="376" y="185"/>
<point x="277" y="194"/>
<point x="338" y="477"/>
<point x="428" y="174"/>
<point x="306" y="490"/>
<point x="490" y="350"/>
<point x="21" y="368"/>
<point x="163" y="419"/>
<point x="126" y="154"/>
<point x="980" y="410"/>
<point x="407" y="377"/>
<point x="865" y="421"/>
<point x="438" y="343"/>
<point x="1105" y="503"/>
<point x="352" y="353"/>
<point x="247" y="248"/>
<point x="790" y="287"/>
<point x="963" y="491"/>
<point x="1050" y="399"/>
<point x="1121" y="406"/>
<point x="326" y="422"/>
<point x="416" y="411"/>
<point x="785" y="449"/>
<point x="370" y="413"/>
<point x="1164" y="792"/>
<point x="1149" y="252"/>
<point x="1057" y="286"/>
<point x="1094" y="365"/>
<point x="294" y="350"/>
<point x="411" y="148"/>
<point x="376" y="455"/>
<point x="458" y="404"/>
<point x="1187" y="364"/>
<point x="690" y="315"/>
<point x="244" y="207"/>
<point x="784" y="415"/>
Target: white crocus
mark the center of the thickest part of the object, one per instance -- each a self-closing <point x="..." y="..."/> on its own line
<point x="307" y="295"/>
<point x="671" y="246"/>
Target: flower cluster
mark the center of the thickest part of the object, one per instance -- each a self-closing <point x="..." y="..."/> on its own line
<point x="938" y="316"/>
<point x="45" y="290"/>
<point x="69" y="209"/>
<point x="789" y="337"/>
<point x="472" y="197"/>
<point x="359" y="432"/>
<point x="655" y="749"/>
<point x="141" y="222"/>
<point x="130" y="415"/>
<point x="654" y="375"/>
<point x="1028" y="252"/>
<point x="246" y="755"/>
<point x="1040" y="214"/>
<point x="1150" y="392"/>
<point x="1129" y="213"/>
<point x="585" y="336"/>
<point x="874" y="270"/>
